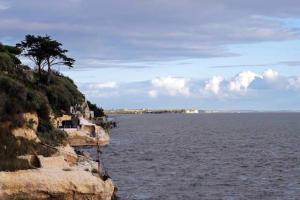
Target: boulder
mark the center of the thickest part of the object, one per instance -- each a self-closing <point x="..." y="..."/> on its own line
<point x="53" y="162"/>
<point x="68" y="153"/>
<point x="32" y="120"/>
<point x="81" y="138"/>
<point x="26" y="133"/>
<point x="28" y="130"/>
<point x="54" y="184"/>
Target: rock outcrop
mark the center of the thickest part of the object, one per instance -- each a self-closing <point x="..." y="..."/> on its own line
<point x="63" y="176"/>
<point x="68" y="153"/>
<point x="81" y="137"/>
<point x="27" y="133"/>
<point x="53" y="183"/>
<point x="29" y="129"/>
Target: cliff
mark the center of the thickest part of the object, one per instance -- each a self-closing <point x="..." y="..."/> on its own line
<point x="36" y="160"/>
<point x="54" y="183"/>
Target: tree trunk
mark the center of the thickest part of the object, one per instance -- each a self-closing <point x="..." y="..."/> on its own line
<point x="49" y="72"/>
<point x="40" y="73"/>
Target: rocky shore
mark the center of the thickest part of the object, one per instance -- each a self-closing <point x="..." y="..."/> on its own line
<point x="42" y="115"/>
<point x="64" y="175"/>
<point x="54" y="183"/>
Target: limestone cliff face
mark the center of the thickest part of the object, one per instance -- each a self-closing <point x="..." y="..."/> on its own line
<point x="29" y="129"/>
<point x="68" y="153"/>
<point x="54" y="184"/>
<point x="81" y="137"/>
<point x="62" y="176"/>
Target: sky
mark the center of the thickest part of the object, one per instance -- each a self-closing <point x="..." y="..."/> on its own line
<point x="208" y="54"/>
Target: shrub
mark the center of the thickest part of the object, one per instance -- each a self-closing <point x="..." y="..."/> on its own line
<point x="22" y="91"/>
<point x="14" y="164"/>
<point x="8" y="59"/>
<point x="12" y="147"/>
<point x="17" y="99"/>
<point x="62" y="94"/>
<point x="6" y="63"/>
<point x="53" y="137"/>
<point x="98" y="112"/>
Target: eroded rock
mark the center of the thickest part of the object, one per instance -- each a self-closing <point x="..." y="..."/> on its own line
<point x="54" y="184"/>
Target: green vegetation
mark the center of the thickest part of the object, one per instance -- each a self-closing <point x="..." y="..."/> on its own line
<point x="8" y="59"/>
<point x="98" y="112"/>
<point x="11" y="147"/>
<point x="16" y="99"/>
<point x="44" y="51"/>
<point x="23" y="90"/>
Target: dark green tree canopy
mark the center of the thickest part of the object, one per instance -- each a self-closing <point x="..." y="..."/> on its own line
<point x="45" y="52"/>
<point x="98" y="112"/>
<point x="8" y="56"/>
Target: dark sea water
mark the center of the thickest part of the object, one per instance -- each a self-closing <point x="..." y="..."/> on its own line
<point x="205" y="156"/>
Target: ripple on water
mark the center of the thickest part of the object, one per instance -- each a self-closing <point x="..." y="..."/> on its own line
<point x="205" y="156"/>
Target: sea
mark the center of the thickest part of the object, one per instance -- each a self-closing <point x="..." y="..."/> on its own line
<point x="205" y="156"/>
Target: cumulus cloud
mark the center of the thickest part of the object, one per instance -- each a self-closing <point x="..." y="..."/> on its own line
<point x="153" y="93"/>
<point x="270" y="74"/>
<point x="267" y="80"/>
<point x="213" y="85"/>
<point x="99" y="89"/>
<point x="242" y="81"/>
<point x="294" y="83"/>
<point x="261" y="87"/>
<point x="230" y="87"/>
<point x="170" y="85"/>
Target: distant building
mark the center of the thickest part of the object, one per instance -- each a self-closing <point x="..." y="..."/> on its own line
<point x="191" y="111"/>
<point x="82" y="110"/>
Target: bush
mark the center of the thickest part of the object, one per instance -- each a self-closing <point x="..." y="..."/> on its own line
<point x="53" y="137"/>
<point x="17" y="99"/>
<point x="21" y="91"/>
<point x="14" y="164"/>
<point x="6" y="62"/>
<point x="8" y="59"/>
<point x="98" y="112"/>
<point x="12" y="147"/>
<point x="62" y="93"/>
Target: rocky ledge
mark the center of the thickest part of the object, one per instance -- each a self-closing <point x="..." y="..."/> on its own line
<point x="64" y="176"/>
<point x="51" y="183"/>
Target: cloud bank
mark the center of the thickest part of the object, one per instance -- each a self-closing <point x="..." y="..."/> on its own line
<point x="135" y="30"/>
<point x="170" y="86"/>
<point x="245" y="86"/>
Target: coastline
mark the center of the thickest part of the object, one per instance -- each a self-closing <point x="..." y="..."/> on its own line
<point x="64" y="175"/>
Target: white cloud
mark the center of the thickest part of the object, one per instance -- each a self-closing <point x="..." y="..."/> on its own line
<point x="246" y="84"/>
<point x="171" y="85"/>
<point x="213" y="85"/>
<point x="153" y="93"/>
<point x="104" y="85"/>
<point x="242" y="81"/>
<point x="270" y="74"/>
<point x="293" y="83"/>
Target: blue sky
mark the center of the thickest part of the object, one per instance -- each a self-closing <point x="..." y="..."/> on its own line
<point x="208" y="54"/>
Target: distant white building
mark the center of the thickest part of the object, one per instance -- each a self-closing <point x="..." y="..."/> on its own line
<point x="192" y="111"/>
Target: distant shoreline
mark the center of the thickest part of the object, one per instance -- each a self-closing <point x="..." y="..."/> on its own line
<point x="192" y="111"/>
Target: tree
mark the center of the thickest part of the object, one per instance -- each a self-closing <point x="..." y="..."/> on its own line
<point x="98" y="112"/>
<point x="8" y="57"/>
<point x="45" y="52"/>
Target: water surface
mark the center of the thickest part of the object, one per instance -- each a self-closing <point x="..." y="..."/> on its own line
<point x="205" y="156"/>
